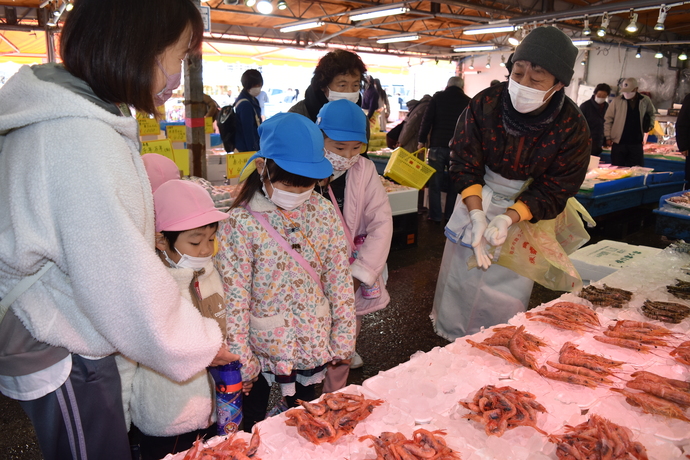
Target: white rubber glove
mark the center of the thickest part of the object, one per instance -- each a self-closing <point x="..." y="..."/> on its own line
<point x="497" y="231"/>
<point x="479" y="225"/>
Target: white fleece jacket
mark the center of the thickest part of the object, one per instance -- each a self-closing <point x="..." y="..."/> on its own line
<point x="159" y="406"/>
<point x="73" y="189"/>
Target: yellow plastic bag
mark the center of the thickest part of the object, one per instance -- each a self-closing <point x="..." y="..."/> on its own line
<point x="540" y="251"/>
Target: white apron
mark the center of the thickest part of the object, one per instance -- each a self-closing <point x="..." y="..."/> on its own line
<point x="467" y="300"/>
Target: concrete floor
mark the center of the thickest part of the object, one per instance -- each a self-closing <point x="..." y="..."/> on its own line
<point x="389" y="336"/>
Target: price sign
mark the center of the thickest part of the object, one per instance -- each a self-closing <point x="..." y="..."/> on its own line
<point x="182" y="160"/>
<point x="176" y="133"/>
<point x="209" y="125"/>
<point x="236" y="162"/>
<point x="148" y="127"/>
<point x="162" y="147"/>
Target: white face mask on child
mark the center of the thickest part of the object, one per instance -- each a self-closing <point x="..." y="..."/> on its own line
<point x="195" y="263"/>
<point x="340" y="163"/>
<point x="284" y="199"/>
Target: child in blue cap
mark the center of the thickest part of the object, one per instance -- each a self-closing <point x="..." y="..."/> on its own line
<point x="283" y="258"/>
<point x="362" y="204"/>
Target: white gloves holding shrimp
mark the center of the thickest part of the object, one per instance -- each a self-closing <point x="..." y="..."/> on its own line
<point x="479" y="226"/>
<point x="497" y="230"/>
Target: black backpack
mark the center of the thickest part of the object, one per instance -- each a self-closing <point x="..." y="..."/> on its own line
<point x="227" y="125"/>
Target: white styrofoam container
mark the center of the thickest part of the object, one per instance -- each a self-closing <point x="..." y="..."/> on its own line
<point x="598" y="260"/>
<point x="403" y="201"/>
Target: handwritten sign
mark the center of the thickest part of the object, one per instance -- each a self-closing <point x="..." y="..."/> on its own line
<point x="182" y="160"/>
<point x="208" y="127"/>
<point x="162" y="147"/>
<point x="148" y="127"/>
<point x="236" y="162"/>
<point x="176" y="133"/>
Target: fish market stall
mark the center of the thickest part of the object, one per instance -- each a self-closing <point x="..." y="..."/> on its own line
<point x="605" y="370"/>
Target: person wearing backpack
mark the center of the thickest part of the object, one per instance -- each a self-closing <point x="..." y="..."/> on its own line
<point x="238" y="123"/>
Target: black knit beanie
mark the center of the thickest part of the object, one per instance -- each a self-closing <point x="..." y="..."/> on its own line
<point x="551" y="49"/>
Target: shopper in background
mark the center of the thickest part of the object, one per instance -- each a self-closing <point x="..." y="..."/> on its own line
<point x="413" y="120"/>
<point x="382" y="107"/>
<point x="520" y="151"/>
<point x="683" y="133"/>
<point x="594" y="110"/>
<point x="437" y="129"/>
<point x="629" y="116"/>
<point x="263" y="100"/>
<point x="211" y="107"/>
<point x="248" y="110"/>
<point x="361" y="202"/>
<point x="283" y="258"/>
<point x="338" y="75"/>
<point x="169" y="415"/>
<point x="75" y="200"/>
<point x="371" y="97"/>
<point x="159" y="169"/>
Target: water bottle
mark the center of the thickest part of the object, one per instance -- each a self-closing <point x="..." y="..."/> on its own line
<point x="228" y="380"/>
<point x="368" y="292"/>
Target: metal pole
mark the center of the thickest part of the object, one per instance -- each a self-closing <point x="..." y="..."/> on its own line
<point x="195" y="109"/>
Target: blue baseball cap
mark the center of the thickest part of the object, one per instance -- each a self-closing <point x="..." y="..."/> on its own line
<point x="343" y="121"/>
<point x="295" y="143"/>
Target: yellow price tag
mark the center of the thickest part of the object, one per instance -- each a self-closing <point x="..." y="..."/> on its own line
<point x="176" y="133"/>
<point x="148" y="127"/>
<point x="236" y="162"/>
<point x="182" y="160"/>
<point x="208" y="127"/>
<point x="162" y="147"/>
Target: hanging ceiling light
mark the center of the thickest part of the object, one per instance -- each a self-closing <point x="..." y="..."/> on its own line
<point x="369" y="13"/>
<point x="491" y="29"/>
<point x="513" y="41"/>
<point x="465" y="49"/>
<point x="503" y="61"/>
<point x="682" y="56"/>
<point x="604" y="25"/>
<point x="69" y="6"/>
<point x="264" y="6"/>
<point x="662" y="17"/>
<point x="471" y="67"/>
<point x="250" y="3"/>
<point x="488" y="61"/>
<point x="398" y="38"/>
<point x="659" y="55"/>
<point x="282" y="4"/>
<point x="632" y="27"/>
<point x="638" y="55"/>
<point x="301" y="26"/>
<point x="582" y="43"/>
<point x="586" y="31"/>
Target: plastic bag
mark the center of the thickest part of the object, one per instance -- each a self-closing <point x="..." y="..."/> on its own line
<point x="540" y="251"/>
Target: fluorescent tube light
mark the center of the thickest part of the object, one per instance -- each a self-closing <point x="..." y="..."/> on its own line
<point x="582" y="42"/>
<point x="302" y="26"/>
<point x="378" y="13"/>
<point x="463" y="49"/>
<point x="398" y="38"/>
<point x="489" y="30"/>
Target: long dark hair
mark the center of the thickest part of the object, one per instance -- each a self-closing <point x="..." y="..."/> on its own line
<point x="253" y="183"/>
<point x="113" y="45"/>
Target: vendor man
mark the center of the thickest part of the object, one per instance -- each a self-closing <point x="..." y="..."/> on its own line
<point x="519" y="152"/>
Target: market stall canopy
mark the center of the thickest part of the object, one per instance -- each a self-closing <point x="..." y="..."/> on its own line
<point x="430" y="29"/>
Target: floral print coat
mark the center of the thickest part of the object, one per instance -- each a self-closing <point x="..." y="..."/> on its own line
<point x="278" y="318"/>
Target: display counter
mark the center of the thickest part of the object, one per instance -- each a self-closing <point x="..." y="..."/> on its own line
<point x="425" y="391"/>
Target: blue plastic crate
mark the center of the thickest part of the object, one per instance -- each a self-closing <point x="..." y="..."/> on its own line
<point x="598" y="205"/>
<point x="655" y="191"/>
<point x="663" y="177"/>
<point x="626" y="183"/>
<point x="672" y="225"/>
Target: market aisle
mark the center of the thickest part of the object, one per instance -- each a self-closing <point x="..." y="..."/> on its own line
<point x="389" y="337"/>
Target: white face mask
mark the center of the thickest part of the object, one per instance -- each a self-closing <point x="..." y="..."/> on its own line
<point x="195" y="263"/>
<point x="600" y="100"/>
<point x="628" y="95"/>
<point x="284" y="199"/>
<point x="335" y="95"/>
<point x="255" y="91"/>
<point x="340" y="163"/>
<point x="526" y="99"/>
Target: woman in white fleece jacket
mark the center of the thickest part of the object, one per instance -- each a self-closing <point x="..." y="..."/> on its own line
<point x="74" y="196"/>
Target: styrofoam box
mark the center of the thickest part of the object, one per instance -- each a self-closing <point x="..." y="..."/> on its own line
<point x="216" y="168"/>
<point x="605" y="257"/>
<point x="403" y="201"/>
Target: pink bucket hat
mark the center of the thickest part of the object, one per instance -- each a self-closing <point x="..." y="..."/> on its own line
<point x="160" y="169"/>
<point x="182" y="205"/>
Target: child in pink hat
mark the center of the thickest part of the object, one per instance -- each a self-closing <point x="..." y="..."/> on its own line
<point x="160" y="169"/>
<point x="170" y="415"/>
